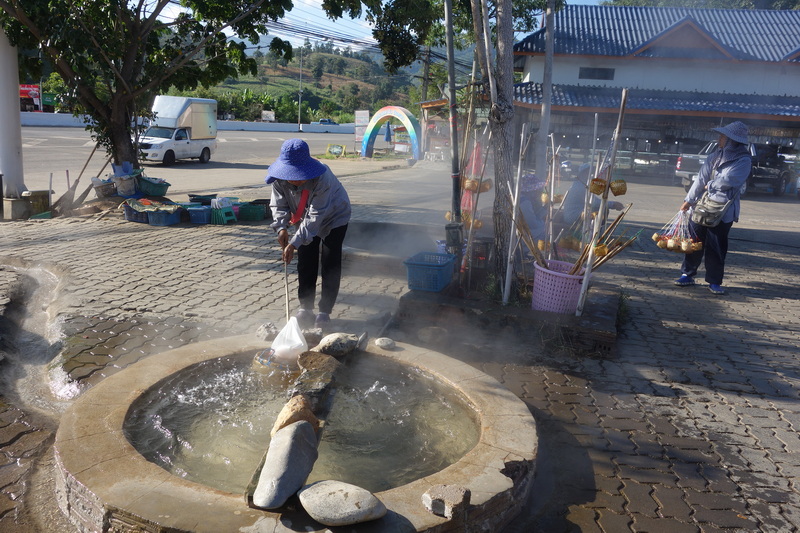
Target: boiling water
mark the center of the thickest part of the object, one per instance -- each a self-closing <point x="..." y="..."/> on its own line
<point x="388" y="424"/>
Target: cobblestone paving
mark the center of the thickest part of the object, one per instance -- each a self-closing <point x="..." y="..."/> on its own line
<point x="691" y="426"/>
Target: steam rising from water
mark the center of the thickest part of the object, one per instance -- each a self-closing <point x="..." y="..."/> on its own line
<point x="388" y="425"/>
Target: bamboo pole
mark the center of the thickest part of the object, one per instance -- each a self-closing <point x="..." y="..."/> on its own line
<point x="515" y="199"/>
<point x="616" y="250"/>
<point x="599" y="221"/>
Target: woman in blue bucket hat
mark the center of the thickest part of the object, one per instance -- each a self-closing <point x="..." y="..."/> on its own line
<point x="723" y="174"/>
<point x="307" y="197"/>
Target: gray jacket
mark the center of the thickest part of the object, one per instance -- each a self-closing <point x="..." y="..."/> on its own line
<point x="328" y="207"/>
<point x="732" y="170"/>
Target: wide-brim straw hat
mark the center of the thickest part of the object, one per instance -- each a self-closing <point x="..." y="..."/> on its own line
<point x="735" y="131"/>
<point x="294" y="163"/>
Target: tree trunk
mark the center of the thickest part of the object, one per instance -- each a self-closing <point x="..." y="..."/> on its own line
<point x="502" y="124"/>
<point x="120" y="133"/>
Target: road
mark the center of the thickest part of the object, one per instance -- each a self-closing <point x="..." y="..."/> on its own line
<point x="243" y="156"/>
<point x="241" y="159"/>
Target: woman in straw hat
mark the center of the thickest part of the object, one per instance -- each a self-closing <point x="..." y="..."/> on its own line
<point x="723" y="174"/>
<point x="308" y="197"/>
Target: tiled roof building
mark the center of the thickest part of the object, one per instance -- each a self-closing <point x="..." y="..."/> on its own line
<point x="686" y="70"/>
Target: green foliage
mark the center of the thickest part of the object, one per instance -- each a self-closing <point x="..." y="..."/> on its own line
<point x="114" y="57"/>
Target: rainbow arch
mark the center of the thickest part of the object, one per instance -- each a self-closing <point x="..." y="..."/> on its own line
<point x="406" y="119"/>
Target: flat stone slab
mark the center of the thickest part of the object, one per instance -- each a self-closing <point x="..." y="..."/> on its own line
<point x="334" y="503"/>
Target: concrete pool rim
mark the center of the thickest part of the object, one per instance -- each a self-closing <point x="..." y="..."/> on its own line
<point x="103" y="483"/>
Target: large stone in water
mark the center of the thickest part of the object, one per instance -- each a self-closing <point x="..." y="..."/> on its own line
<point x="290" y="458"/>
<point x="318" y="362"/>
<point x="334" y="503"/>
<point x="339" y="344"/>
<point x="296" y="409"/>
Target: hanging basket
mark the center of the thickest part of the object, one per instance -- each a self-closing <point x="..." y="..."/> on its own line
<point x="618" y="187"/>
<point x="597" y="186"/>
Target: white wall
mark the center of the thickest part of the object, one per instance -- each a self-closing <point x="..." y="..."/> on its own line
<point x="67" y="120"/>
<point x="766" y="79"/>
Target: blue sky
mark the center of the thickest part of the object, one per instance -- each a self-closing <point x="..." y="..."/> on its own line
<point x="308" y="16"/>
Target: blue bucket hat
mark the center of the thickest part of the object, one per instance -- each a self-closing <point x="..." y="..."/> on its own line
<point x="735" y="131"/>
<point x="294" y="163"/>
<point x="529" y="183"/>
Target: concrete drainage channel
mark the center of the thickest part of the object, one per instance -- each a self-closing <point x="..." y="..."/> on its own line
<point x="104" y="484"/>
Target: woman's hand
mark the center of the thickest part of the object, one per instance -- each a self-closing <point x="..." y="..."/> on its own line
<point x="288" y="253"/>
<point x="283" y="238"/>
<point x="686" y="206"/>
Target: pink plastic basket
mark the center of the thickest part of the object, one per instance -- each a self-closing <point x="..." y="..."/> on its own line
<point x="555" y="291"/>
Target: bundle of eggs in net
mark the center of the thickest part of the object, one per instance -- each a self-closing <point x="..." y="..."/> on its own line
<point x="674" y="243"/>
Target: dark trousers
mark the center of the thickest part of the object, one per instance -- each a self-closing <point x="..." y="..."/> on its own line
<point x="715" y="248"/>
<point x="308" y="263"/>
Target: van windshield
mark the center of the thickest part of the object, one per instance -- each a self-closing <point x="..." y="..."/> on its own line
<point x="159" y="132"/>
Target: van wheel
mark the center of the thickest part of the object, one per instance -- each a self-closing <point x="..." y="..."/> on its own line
<point x="169" y="158"/>
<point x="780" y="187"/>
<point x="205" y="155"/>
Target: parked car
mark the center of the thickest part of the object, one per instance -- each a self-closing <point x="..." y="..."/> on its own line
<point x="770" y="172"/>
<point x="325" y="122"/>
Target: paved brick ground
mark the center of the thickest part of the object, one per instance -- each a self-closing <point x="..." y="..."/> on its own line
<point x="692" y="426"/>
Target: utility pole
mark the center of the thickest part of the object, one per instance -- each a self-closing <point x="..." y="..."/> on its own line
<point x="455" y="230"/>
<point x="426" y="65"/>
<point x="300" y="94"/>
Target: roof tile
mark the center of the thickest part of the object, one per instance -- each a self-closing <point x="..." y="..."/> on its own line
<point x="763" y="35"/>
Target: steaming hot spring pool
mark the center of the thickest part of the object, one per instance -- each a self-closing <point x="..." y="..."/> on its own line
<point x="170" y="443"/>
<point x="389" y="424"/>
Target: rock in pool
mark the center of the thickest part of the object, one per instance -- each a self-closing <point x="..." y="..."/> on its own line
<point x="334" y="503"/>
<point x="290" y="458"/>
<point x="340" y="344"/>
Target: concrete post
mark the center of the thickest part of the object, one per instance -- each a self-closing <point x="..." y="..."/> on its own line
<point x="10" y="127"/>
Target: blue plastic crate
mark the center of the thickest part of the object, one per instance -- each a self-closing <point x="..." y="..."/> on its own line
<point x="429" y="271"/>
<point x="163" y="218"/>
<point x="200" y="215"/>
<point x="132" y="215"/>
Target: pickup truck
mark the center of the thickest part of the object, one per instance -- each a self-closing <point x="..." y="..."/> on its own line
<point x="183" y="128"/>
<point x="770" y="169"/>
<point x="170" y="144"/>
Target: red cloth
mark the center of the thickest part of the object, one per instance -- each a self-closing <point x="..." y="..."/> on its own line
<point x="467" y="201"/>
<point x="475" y="164"/>
<point x="301" y="208"/>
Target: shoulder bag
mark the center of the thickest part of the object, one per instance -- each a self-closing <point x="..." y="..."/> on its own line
<point x="709" y="212"/>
